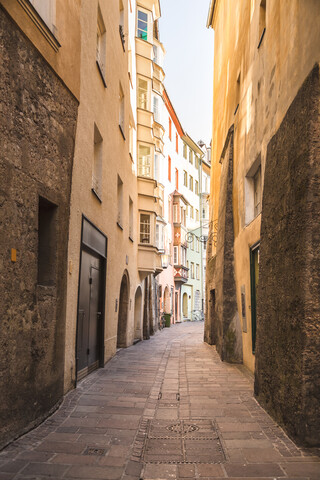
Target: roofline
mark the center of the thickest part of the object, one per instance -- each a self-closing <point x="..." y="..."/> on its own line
<point x="172" y="112"/>
<point x="211" y="12"/>
<point x="193" y="145"/>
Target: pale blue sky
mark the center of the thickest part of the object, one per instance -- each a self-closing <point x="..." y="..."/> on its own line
<point x="189" y="63"/>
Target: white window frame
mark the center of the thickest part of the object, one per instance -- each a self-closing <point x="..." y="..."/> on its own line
<point x="145" y="228"/>
<point x="144" y="162"/>
<point x="175" y="255"/>
<point x="140" y="31"/>
<point x="143" y="94"/>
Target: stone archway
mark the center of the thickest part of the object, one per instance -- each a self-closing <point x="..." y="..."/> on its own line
<point x="123" y="311"/>
<point x="138" y="314"/>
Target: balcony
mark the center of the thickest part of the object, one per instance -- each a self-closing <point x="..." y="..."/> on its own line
<point x="149" y="260"/>
<point x="180" y="274"/>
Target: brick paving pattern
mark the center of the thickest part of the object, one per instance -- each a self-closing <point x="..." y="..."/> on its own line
<point x="166" y="408"/>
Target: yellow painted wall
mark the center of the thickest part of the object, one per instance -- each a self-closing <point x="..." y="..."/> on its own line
<point x="270" y="78"/>
<point x="100" y="106"/>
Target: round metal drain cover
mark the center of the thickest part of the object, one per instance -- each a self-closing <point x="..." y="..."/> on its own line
<point x="182" y="428"/>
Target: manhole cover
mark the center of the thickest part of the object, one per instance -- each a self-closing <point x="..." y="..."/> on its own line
<point x="182" y="427"/>
<point x="95" y="451"/>
<point x="178" y="442"/>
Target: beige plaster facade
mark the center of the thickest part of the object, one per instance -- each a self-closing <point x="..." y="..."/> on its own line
<point x="107" y="195"/>
<point x="257" y="74"/>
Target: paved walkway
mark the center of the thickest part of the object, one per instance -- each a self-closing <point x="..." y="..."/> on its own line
<point x="163" y="409"/>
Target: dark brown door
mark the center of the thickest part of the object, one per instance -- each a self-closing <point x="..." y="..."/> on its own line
<point x="88" y="315"/>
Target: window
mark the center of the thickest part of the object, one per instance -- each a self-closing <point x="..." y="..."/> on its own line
<point x="121" y="24"/>
<point x="97" y="164"/>
<point x="262" y="21"/>
<point x="203" y="212"/>
<point x="121" y="111"/>
<point x="192" y="270"/>
<point x="156" y="167"/>
<point x="197" y="215"/>
<point x="175" y="213"/>
<point x="142" y="94"/>
<point x="183" y="256"/>
<point x="101" y="46"/>
<point x="156" y="110"/>
<point x="155" y="54"/>
<point x="191" y="212"/>
<point x="197" y="271"/>
<point x="185" y="178"/>
<point x="47" y="242"/>
<point x="192" y="243"/>
<point x="131" y="141"/>
<point x="191" y="157"/>
<point x="144" y="161"/>
<point x="257" y="192"/>
<point x="185" y="150"/>
<point x="237" y="94"/>
<point x="145" y="228"/>
<point x="170" y="129"/>
<point x="159" y="236"/>
<point x="177" y="178"/>
<point x="142" y="25"/>
<point x="177" y="143"/>
<point x="130" y="62"/>
<point x="196" y="159"/>
<point x="191" y="183"/>
<point x="169" y="169"/>
<point x="196" y="187"/>
<point x="175" y="255"/>
<point x="253" y="191"/>
<point x="47" y="11"/>
<point x="120" y="202"/>
<point x="197" y="244"/>
<point x="130" y="219"/>
<point x="184" y="218"/>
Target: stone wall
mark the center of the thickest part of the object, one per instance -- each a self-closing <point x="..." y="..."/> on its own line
<point x="287" y="377"/>
<point x="226" y="329"/>
<point x="37" y="129"/>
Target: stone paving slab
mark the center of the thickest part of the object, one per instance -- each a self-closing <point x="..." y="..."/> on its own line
<point x="166" y="408"/>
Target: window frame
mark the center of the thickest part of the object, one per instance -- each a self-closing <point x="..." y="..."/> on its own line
<point x="145" y="235"/>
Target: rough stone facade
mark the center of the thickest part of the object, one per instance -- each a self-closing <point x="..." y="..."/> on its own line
<point x="226" y="334"/>
<point x="287" y="376"/>
<point x="37" y="128"/>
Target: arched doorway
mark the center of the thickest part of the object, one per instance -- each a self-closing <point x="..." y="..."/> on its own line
<point x="138" y="314"/>
<point x="185" y="305"/>
<point x="167" y="300"/>
<point x="123" y="311"/>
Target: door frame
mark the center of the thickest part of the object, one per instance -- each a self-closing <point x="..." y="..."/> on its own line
<point x="102" y="291"/>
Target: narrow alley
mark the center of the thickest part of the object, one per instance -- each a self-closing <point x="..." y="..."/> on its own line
<point x="167" y="408"/>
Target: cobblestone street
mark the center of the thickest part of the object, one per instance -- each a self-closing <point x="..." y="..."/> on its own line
<point x="163" y="409"/>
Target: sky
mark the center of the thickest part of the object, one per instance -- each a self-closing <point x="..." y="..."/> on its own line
<point x="189" y="63"/>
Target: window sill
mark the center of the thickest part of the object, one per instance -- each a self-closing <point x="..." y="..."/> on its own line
<point x="101" y="74"/>
<point x="131" y="157"/>
<point x="120" y="226"/>
<point x="122" y="133"/>
<point x="40" y="24"/>
<point x="131" y="239"/>
<point x="95" y="193"/>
